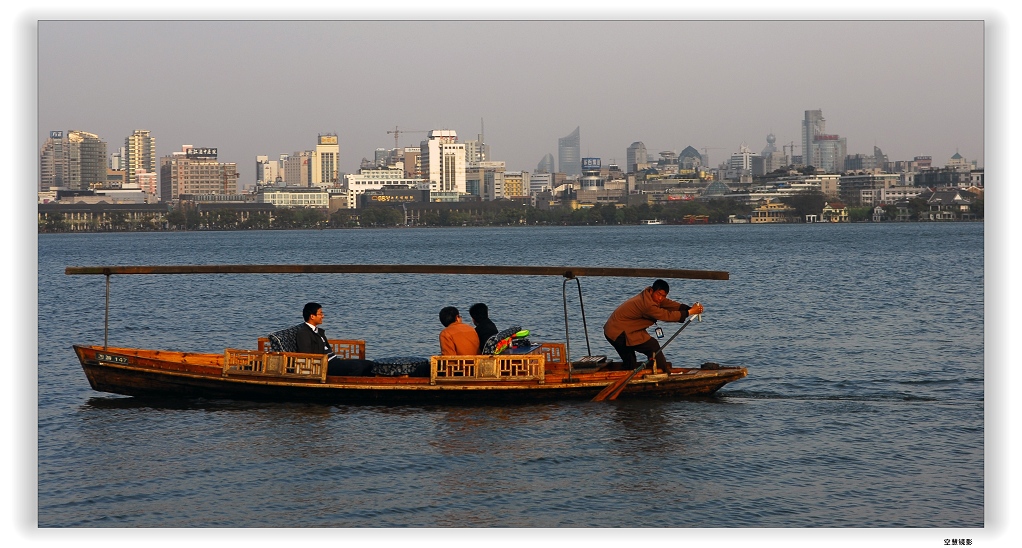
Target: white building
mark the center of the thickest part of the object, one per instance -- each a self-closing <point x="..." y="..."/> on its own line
<point x="539" y="182"/>
<point x="476" y="151"/>
<point x="889" y="195"/>
<point x="139" y="153"/>
<point x="295" y="197"/>
<point x="268" y="171"/>
<point x="148" y="183"/>
<point x="377" y="179"/>
<point x="443" y="162"/>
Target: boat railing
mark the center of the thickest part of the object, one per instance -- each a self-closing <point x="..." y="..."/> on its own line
<point x="346" y="349"/>
<point x="275" y="364"/>
<point x="510" y="367"/>
<point x="553" y="353"/>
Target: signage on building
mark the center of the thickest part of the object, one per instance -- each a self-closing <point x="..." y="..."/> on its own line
<point x="201" y="153"/>
<point x="392" y="198"/>
<point x="590" y="163"/>
<point x="56" y="135"/>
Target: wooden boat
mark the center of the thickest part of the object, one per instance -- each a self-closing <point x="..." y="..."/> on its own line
<point x="272" y="371"/>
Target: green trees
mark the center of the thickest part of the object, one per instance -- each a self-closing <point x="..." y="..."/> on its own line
<point x="809" y="202"/>
<point x="53" y="222"/>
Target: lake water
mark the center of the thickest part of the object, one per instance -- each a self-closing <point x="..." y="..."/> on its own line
<point x="863" y="408"/>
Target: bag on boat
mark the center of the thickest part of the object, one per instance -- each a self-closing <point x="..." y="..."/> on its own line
<point x="501" y="341"/>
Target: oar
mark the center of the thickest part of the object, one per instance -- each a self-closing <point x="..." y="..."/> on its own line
<point x="612" y="391"/>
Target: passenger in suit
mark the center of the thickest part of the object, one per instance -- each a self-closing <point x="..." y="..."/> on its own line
<point x="312" y="340"/>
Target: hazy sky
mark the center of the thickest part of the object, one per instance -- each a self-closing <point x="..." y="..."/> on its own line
<point x="270" y="87"/>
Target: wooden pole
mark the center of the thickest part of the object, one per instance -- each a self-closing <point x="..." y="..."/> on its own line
<point x="565" y="271"/>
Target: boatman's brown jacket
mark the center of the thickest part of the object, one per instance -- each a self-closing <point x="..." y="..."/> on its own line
<point x="635" y="315"/>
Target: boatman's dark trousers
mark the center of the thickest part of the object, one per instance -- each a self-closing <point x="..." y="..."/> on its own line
<point x="648" y="348"/>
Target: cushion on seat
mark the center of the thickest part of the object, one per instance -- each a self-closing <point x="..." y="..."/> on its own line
<point x="285" y="340"/>
<point x="413" y="366"/>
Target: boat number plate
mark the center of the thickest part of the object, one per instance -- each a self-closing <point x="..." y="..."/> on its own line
<point x="109" y="358"/>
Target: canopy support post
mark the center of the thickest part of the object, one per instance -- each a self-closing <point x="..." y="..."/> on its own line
<point x="106" y="313"/>
<point x="567" y="338"/>
<point x="585" y="326"/>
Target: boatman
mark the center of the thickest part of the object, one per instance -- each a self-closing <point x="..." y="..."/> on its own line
<point x="311" y="339"/>
<point x="457" y="338"/>
<point x="626" y="327"/>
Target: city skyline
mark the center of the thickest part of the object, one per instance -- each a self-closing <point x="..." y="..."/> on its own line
<point x="707" y="84"/>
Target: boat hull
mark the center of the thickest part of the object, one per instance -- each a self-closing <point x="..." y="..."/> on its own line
<point x="166" y="374"/>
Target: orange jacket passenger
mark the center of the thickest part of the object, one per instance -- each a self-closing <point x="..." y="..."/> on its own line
<point x="459" y="339"/>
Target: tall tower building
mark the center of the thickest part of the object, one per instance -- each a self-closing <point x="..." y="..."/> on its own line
<point x="546" y="165"/>
<point x="86" y="159"/>
<point x="139" y="153"/>
<point x="812" y="125"/>
<point x="443" y="162"/>
<point x="569" y="154"/>
<point x="324" y="160"/>
<point x="821" y="150"/>
<point x="634" y="155"/>
<point x="53" y="168"/>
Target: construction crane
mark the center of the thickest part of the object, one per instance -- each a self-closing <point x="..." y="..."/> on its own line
<point x="398" y="131"/>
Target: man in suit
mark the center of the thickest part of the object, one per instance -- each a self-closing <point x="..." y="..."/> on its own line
<point x="311" y="339"/>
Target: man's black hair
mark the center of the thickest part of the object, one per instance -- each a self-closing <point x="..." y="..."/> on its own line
<point x="310" y="309"/>
<point x="660" y="284"/>
<point x="479" y="312"/>
<point x="448" y="315"/>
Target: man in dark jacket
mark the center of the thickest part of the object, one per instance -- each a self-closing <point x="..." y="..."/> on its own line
<point x="484" y="327"/>
<point x="311" y="339"/>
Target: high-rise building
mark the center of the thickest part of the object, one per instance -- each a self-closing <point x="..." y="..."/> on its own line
<point x="324" y="160"/>
<point x="825" y="152"/>
<point x="139" y="153"/>
<point x="569" y="154"/>
<point x="476" y="151"/>
<point x="635" y="155"/>
<point x="196" y="171"/>
<point x="86" y="160"/>
<point x="443" y="162"/>
<point x="117" y="160"/>
<point x="546" y="165"/>
<point x="298" y="168"/>
<point x="53" y="159"/>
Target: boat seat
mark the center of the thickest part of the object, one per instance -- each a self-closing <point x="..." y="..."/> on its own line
<point x="413" y="366"/>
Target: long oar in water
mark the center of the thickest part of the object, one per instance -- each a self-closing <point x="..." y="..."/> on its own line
<point x="612" y="391"/>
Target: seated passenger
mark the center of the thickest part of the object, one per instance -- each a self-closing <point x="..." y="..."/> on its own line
<point x="484" y="327"/>
<point x="312" y="340"/>
<point x="457" y="338"/>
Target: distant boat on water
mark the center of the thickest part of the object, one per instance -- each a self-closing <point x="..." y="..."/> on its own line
<point x="650" y="222"/>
